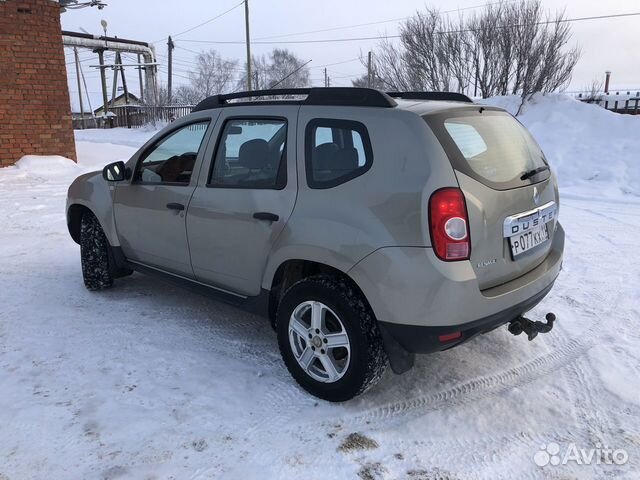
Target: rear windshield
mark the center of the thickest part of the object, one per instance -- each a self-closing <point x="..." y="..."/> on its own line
<point x="490" y="146"/>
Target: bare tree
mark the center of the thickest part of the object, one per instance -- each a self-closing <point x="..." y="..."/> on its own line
<point x="281" y="68"/>
<point x="213" y="74"/>
<point x="163" y="94"/>
<point x="186" y="95"/>
<point x="593" y="93"/>
<point x="506" y="48"/>
<point x="376" y="80"/>
<point x="286" y="70"/>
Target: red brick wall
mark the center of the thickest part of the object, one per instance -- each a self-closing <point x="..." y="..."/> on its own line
<point x="35" y="116"/>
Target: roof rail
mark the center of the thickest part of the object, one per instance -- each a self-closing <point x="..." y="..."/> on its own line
<point x="438" y="96"/>
<point x="339" y="96"/>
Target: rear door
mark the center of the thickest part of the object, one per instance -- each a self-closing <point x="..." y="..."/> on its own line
<point x="512" y="211"/>
<point x="245" y="195"/>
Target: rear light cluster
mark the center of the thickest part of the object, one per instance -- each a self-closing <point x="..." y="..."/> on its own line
<point x="449" y="224"/>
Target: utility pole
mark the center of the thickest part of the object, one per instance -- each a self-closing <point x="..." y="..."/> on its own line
<point x="140" y="67"/>
<point x="256" y="83"/>
<point x="369" y="70"/>
<point x="326" y="79"/>
<point x="103" y="80"/>
<point x="114" y="90"/>
<point x="124" y="88"/>
<point x="75" y="52"/>
<point x="170" y="47"/>
<point x="248" y="40"/>
<point x="86" y="90"/>
<point x="123" y="78"/>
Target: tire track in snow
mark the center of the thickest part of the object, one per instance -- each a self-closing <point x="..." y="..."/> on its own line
<point x="473" y="390"/>
<point x="596" y="424"/>
<point x="402" y="410"/>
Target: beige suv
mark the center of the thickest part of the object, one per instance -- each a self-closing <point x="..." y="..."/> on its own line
<point x="366" y="226"/>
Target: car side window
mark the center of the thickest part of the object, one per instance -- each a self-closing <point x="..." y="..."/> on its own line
<point x="251" y="153"/>
<point x="172" y="159"/>
<point x="336" y="151"/>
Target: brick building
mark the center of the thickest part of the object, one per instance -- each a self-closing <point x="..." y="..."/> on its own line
<point x="35" y="113"/>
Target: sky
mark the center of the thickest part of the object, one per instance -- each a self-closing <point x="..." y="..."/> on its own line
<point x="610" y="44"/>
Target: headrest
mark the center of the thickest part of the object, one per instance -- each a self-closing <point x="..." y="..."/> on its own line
<point x="330" y="157"/>
<point x="326" y="148"/>
<point x="254" y="154"/>
<point x="323" y="154"/>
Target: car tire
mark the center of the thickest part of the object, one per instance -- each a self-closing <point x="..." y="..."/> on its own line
<point x="354" y="367"/>
<point x="94" y="254"/>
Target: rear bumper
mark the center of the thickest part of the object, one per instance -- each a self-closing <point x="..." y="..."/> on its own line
<point x="424" y="339"/>
<point x="411" y="287"/>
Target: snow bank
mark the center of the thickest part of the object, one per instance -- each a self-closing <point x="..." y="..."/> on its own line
<point x="48" y="166"/>
<point x="593" y="151"/>
<point x="92" y="156"/>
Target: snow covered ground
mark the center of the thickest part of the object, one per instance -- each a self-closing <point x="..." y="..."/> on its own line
<point x="146" y="381"/>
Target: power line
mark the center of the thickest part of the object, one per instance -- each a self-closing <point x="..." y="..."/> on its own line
<point x="336" y="63"/>
<point x="346" y="27"/>
<point x="164" y="70"/>
<point x="188" y="50"/>
<point x="191" y="63"/>
<point x="380" y="37"/>
<point x="203" y="23"/>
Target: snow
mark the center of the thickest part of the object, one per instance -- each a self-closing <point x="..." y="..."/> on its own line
<point x="150" y="381"/>
<point x="53" y="166"/>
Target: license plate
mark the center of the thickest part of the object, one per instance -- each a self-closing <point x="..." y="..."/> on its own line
<point x="528" y="240"/>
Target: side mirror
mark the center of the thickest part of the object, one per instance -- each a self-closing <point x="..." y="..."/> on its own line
<point x="116" y="172"/>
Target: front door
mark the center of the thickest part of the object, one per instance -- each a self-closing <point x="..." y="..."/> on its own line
<point x="244" y="197"/>
<point x="150" y="211"/>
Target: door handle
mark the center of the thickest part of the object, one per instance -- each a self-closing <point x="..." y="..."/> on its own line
<point x="270" y="217"/>
<point x="175" y="206"/>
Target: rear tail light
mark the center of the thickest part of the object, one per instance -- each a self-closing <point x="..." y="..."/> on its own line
<point x="449" y="224"/>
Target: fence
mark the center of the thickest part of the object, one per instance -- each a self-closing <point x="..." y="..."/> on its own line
<point x="88" y="121"/>
<point x="628" y="103"/>
<point x="135" y="116"/>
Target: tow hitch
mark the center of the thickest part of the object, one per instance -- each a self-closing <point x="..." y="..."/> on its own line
<point x="531" y="328"/>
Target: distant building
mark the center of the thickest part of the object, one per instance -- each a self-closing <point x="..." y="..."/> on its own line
<point x="120" y="100"/>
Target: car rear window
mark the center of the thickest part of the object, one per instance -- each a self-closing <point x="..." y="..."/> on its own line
<point x="490" y="146"/>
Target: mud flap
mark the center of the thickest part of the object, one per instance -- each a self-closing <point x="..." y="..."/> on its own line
<point x="118" y="262"/>
<point x="400" y="360"/>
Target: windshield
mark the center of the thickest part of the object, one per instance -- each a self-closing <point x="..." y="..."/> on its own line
<point x="492" y="147"/>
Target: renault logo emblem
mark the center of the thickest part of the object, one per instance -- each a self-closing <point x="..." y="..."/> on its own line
<point x="536" y="195"/>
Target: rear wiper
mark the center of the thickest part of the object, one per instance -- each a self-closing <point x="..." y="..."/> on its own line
<point x="533" y="172"/>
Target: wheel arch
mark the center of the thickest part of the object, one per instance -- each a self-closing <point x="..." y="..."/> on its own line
<point x="89" y="192"/>
<point x="74" y="219"/>
<point x="293" y="270"/>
